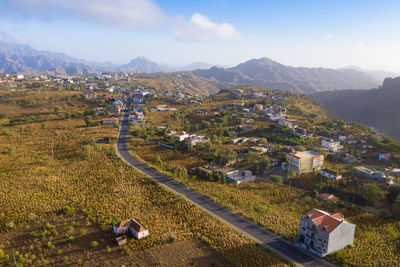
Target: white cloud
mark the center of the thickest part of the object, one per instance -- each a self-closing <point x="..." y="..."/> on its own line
<point x="329" y="35"/>
<point x="121" y="13"/>
<point x="132" y="14"/>
<point x="201" y="28"/>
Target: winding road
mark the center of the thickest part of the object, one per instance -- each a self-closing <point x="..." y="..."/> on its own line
<point x="259" y="234"/>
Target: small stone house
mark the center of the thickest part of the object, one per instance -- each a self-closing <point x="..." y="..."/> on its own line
<point x="131" y="226"/>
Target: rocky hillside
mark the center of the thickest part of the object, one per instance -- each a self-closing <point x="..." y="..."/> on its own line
<point x="379" y="108"/>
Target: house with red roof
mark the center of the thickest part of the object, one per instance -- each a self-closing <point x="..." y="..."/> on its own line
<point x="130" y="226"/>
<point x="323" y="233"/>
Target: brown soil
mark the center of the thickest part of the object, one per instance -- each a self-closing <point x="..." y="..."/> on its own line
<point x="184" y="253"/>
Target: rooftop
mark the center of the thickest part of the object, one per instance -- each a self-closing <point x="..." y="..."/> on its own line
<point x="323" y="220"/>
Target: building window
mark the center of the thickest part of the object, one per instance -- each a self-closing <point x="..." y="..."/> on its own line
<point x="324" y="241"/>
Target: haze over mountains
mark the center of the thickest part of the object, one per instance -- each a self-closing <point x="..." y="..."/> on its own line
<point x="267" y="73"/>
<point x="20" y="58"/>
<point x="263" y="72"/>
<point x="379" y="108"/>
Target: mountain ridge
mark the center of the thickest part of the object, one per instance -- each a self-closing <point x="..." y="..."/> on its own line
<point x="262" y="72"/>
<point x="267" y="73"/>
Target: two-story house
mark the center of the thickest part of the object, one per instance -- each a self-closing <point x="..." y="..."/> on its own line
<point x="323" y="233"/>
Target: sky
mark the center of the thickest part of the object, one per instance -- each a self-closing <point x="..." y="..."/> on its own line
<point x="308" y="33"/>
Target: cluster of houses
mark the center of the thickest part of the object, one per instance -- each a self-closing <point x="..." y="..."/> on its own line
<point x="116" y="106"/>
<point x="371" y="173"/>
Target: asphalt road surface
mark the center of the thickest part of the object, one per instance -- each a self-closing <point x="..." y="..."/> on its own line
<point x="257" y="233"/>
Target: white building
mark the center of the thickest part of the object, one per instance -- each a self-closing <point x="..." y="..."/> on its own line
<point x="137" y="230"/>
<point x="331" y="145"/>
<point x="110" y="120"/>
<point x="323" y="233"/>
<point x="131" y="226"/>
<point x="181" y="136"/>
<point x="330" y="174"/>
<point x="384" y="157"/>
<point x="239" y="177"/>
<point x="194" y="139"/>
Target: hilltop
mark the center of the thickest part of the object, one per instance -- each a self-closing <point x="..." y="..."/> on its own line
<point x="378" y="108"/>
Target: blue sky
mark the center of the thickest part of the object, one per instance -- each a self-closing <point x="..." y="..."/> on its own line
<point x="307" y="33"/>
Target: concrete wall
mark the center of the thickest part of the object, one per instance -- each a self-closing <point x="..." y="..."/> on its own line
<point x="342" y="236"/>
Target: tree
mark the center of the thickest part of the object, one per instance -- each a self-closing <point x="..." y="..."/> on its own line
<point x="277" y="179"/>
<point x="263" y="164"/>
<point x="56" y="109"/>
<point x="384" y="213"/>
<point x="88" y="120"/>
<point x="263" y="141"/>
<point x="251" y="158"/>
<point x="393" y="193"/>
<point x="371" y="192"/>
<point x="228" y="156"/>
<point x="396" y="207"/>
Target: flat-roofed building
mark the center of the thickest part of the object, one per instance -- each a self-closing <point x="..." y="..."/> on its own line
<point x="304" y="162"/>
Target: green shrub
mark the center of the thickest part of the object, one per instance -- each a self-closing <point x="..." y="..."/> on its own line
<point x="384" y="213"/>
<point x="94" y="244"/>
<point x="67" y="210"/>
<point x="172" y="238"/>
<point x="277" y="179"/>
<point x="1" y="253"/>
<point x="11" y="150"/>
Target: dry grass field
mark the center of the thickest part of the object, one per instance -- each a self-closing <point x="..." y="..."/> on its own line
<point x="48" y="165"/>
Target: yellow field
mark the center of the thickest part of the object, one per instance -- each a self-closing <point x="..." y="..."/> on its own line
<point x="46" y="167"/>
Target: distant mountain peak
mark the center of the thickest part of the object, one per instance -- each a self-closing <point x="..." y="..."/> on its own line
<point x="389" y="83"/>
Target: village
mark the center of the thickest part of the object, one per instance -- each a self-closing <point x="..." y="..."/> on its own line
<point x="246" y="135"/>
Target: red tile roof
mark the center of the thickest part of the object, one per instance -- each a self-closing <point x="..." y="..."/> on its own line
<point x="324" y="221"/>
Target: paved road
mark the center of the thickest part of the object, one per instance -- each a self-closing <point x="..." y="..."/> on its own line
<point x="252" y="230"/>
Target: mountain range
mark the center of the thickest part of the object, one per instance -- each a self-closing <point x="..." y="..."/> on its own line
<point x="379" y="107"/>
<point x="267" y="73"/>
<point x="262" y="72"/>
<point x="21" y="58"/>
